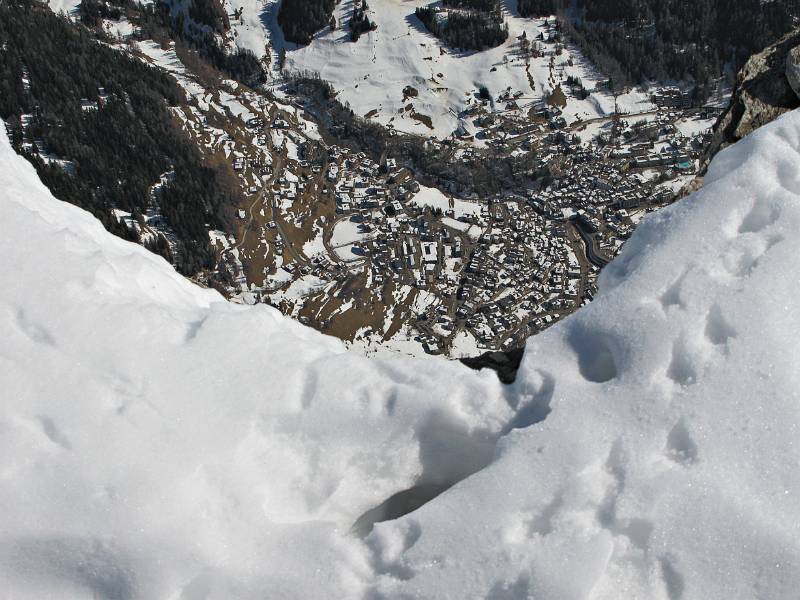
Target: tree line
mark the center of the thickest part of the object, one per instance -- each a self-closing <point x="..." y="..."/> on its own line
<point x="360" y="22"/>
<point x="118" y="145"/>
<point x="637" y="40"/>
<point x="301" y="19"/>
<point x="241" y="64"/>
<point x="469" y="27"/>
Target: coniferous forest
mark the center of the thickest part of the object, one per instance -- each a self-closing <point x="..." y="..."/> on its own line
<point x="116" y="150"/>
<point x="471" y="25"/>
<point x="360" y="22"/>
<point x="482" y="5"/>
<point x="660" y="40"/>
<point x="301" y="19"/>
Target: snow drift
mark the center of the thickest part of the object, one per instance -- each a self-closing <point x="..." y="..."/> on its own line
<point x="157" y="442"/>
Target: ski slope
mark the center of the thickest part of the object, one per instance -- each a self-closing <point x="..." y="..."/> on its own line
<point x="158" y="442"/>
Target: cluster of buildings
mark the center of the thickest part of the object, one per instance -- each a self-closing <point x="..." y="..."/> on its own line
<point x="521" y="277"/>
<point x="500" y="268"/>
<point x="672" y="97"/>
<point x="361" y="185"/>
<point x="460" y="272"/>
<point x="496" y="268"/>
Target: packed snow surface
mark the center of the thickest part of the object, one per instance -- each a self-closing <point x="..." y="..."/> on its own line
<point x="158" y="442"/>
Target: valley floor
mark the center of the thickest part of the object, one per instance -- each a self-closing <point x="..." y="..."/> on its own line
<point x="358" y="247"/>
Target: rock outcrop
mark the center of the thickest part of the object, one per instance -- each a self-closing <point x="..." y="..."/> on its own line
<point x="763" y="92"/>
<point x="506" y="364"/>
<point x="793" y="69"/>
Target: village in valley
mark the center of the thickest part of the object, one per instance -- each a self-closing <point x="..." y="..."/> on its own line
<point x="390" y="259"/>
<point x="363" y="251"/>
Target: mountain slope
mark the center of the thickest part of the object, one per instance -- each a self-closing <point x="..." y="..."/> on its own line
<point x="373" y="74"/>
<point x="160" y="443"/>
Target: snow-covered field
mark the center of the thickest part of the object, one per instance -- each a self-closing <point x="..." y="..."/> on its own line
<point x="372" y="73"/>
<point x="435" y="198"/>
<point x="120" y="29"/>
<point x="348" y="232"/>
<point x="68" y="7"/>
<point x="158" y="442"/>
<point x="169" y="61"/>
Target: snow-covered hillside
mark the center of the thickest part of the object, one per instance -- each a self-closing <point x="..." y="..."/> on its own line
<point x="158" y="442"/>
<point x="372" y="73"/>
<point x="68" y="7"/>
<point x="256" y="29"/>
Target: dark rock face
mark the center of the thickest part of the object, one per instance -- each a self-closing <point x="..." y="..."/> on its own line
<point x="762" y="94"/>
<point x="505" y="364"/>
<point x="793" y="69"/>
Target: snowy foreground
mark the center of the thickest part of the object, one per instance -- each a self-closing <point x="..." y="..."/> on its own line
<point x="159" y="443"/>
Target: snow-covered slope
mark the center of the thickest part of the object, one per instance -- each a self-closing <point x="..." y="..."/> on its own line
<point x="256" y="28"/>
<point x="69" y="7"/>
<point x="160" y="443"/>
<point x="668" y="466"/>
<point x="372" y="73"/>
